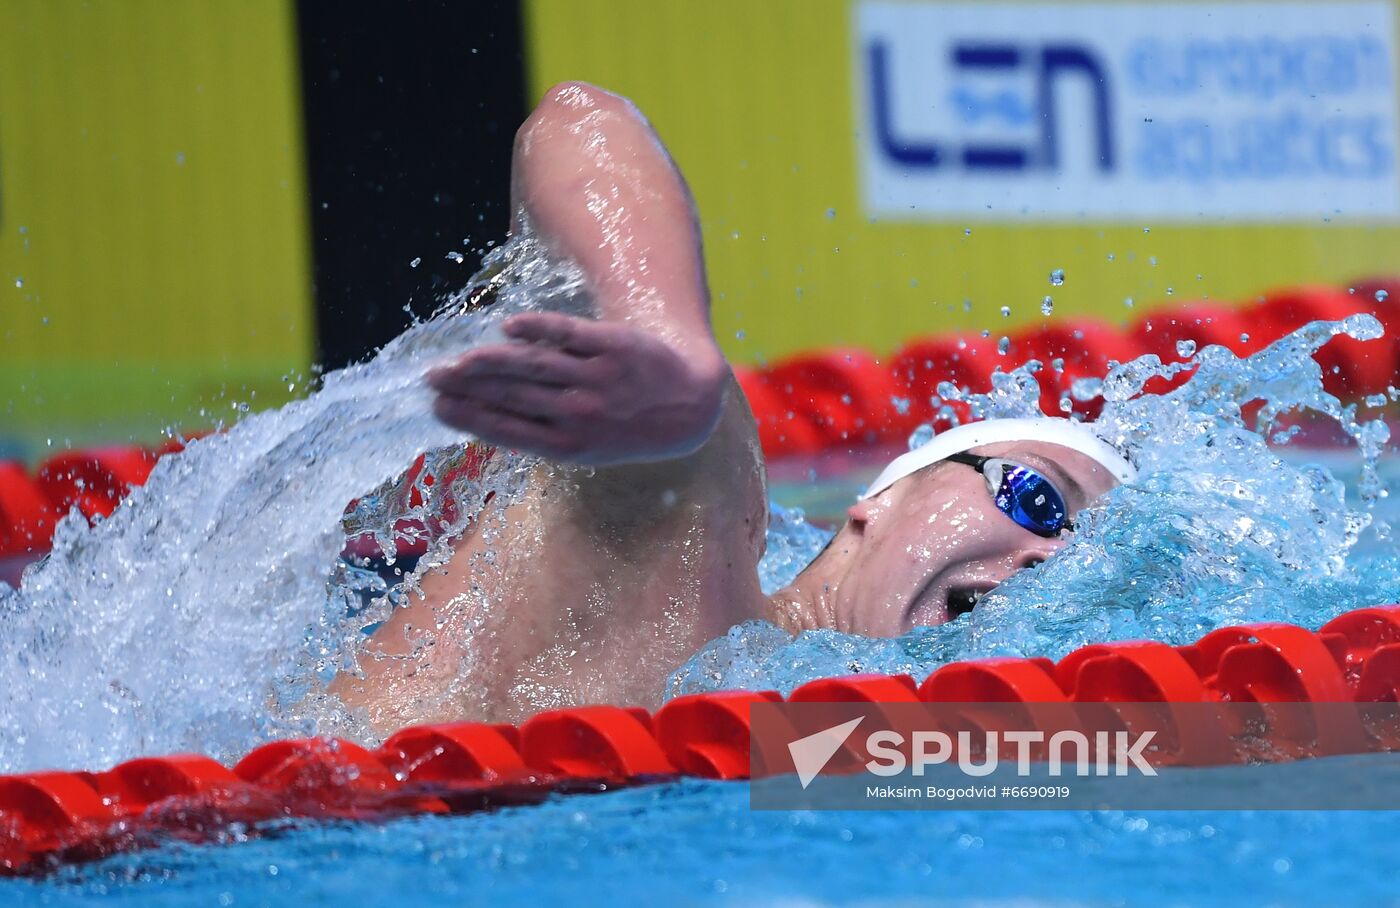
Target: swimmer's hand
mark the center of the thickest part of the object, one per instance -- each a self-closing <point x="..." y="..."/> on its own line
<point x="585" y="392"/>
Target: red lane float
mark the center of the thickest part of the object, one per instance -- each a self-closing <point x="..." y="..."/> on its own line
<point x="94" y="480"/>
<point x="50" y="818"/>
<point x="780" y="431"/>
<point x="594" y="742"/>
<point x="26" y="515"/>
<point x="707" y="735"/>
<point x="132" y="787"/>
<point x="842" y="399"/>
<point x="453" y="753"/>
<point x="846" y="395"/>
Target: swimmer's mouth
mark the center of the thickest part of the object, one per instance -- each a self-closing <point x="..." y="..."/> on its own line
<point x="963" y="599"/>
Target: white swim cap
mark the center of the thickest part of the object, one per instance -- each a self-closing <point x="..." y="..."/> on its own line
<point x="1052" y="429"/>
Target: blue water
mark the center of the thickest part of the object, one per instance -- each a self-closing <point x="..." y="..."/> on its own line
<point x="698" y="843"/>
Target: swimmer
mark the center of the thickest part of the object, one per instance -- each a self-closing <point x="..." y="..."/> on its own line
<point x="599" y="582"/>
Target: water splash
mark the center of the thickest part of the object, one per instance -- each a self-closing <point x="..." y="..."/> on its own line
<point x="213" y="599"/>
<point x="792" y="542"/>
<point x="1218" y="529"/>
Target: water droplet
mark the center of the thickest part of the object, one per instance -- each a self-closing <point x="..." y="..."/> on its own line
<point x="967" y="231"/>
<point x="1047" y="306"/>
<point x="901" y="405"/>
<point x="1170" y="291"/>
<point x="1005" y="311"/>
<point x="1057" y="277"/>
<point x="1185" y="348"/>
<point x="1128" y="301"/>
<point x="830" y="213"/>
<point x="1110" y="256"/>
<point x="1376" y="400"/>
<point x="1147" y="230"/>
<point x="416" y="262"/>
<point x="1152" y="260"/>
<point x="179" y="159"/>
<point x="45" y="320"/>
<point x="740" y="334"/>
<point x="1244" y="338"/>
<point x="456" y="257"/>
<point x="1381" y="296"/>
<point x="19" y="282"/>
<point x="1086" y="389"/>
<point x="921" y="436"/>
<point x="1039" y="500"/>
<point x="1003" y="345"/>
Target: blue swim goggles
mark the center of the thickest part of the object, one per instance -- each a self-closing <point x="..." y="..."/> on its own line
<point x="1022" y="494"/>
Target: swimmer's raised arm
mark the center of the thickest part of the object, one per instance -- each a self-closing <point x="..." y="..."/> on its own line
<point x="646" y="382"/>
<point x="593" y="585"/>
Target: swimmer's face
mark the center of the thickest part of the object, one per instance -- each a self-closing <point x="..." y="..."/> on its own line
<point x="925" y="548"/>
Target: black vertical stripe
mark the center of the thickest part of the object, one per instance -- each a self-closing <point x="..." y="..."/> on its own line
<point x="410" y="107"/>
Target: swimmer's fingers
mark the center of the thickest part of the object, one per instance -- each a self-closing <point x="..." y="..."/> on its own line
<point x="531" y="400"/>
<point x="504" y="429"/>
<point x="580" y="336"/>
<point x="531" y="362"/>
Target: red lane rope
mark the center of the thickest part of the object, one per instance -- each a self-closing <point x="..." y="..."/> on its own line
<point x="51" y="818"/>
<point x="841" y="399"/>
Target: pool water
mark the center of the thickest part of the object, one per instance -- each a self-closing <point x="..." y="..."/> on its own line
<point x="698" y="843"/>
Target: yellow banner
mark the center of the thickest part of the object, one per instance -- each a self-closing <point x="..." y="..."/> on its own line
<point x="769" y="108"/>
<point x="154" y="254"/>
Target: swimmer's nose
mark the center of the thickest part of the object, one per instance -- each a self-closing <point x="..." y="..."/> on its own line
<point x="1037" y="555"/>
